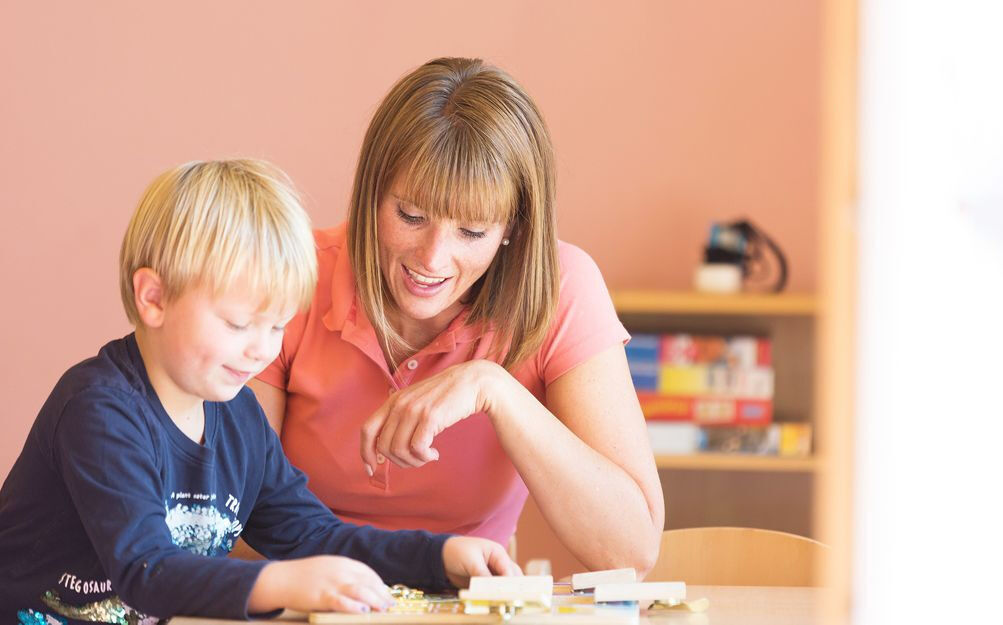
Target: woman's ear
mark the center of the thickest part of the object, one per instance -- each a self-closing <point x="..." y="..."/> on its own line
<point x="509" y="230"/>
<point x="148" y="291"/>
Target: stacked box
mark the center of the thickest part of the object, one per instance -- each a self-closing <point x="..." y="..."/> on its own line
<point x="707" y="380"/>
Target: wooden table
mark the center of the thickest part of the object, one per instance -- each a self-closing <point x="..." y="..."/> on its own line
<point x="729" y="605"/>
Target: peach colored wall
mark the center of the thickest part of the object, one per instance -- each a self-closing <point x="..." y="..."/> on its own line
<point x="665" y="115"/>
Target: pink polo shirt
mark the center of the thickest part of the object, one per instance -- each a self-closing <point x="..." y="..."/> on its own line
<point x="335" y="376"/>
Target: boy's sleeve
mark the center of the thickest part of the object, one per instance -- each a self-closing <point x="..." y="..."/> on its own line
<point x="288" y="521"/>
<point x="105" y="455"/>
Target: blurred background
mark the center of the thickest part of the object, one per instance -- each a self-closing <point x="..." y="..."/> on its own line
<point x="870" y="160"/>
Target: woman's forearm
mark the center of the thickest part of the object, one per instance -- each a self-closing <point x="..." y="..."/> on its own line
<point x="576" y="486"/>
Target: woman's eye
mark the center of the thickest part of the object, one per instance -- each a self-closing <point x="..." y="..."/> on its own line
<point x="235" y="326"/>
<point x="472" y="234"/>
<point x="409" y="218"/>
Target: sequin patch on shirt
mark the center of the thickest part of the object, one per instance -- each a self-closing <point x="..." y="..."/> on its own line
<point x="201" y="529"/>
<point x="32" y="617"/>
<point x="110" y="610"/>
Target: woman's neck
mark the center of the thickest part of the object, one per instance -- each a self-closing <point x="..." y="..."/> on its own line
<point x="419" y="333"/>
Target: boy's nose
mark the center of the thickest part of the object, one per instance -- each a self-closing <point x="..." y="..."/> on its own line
<point x="260" y="346"/>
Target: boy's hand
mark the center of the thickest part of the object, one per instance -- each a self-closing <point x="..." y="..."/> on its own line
<point x="465" y="556"/>
<point x="319" y="584"/>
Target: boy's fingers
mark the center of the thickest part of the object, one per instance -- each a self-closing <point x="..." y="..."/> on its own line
<point x="479" y="567"/>
<point x="338" y="602"/>
<point x="501" y="564"/>
<point x="376" y="598"/>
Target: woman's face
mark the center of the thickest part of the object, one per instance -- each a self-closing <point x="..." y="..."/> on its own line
<point x="430" y="264"/>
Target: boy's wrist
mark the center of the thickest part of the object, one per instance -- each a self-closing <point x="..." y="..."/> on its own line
<point x="267" y="594"/>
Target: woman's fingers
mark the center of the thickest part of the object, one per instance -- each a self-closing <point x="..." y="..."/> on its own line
<point x="397" y="444"/>
<point x="368" y="436"/>
<point x="403" y="430"/>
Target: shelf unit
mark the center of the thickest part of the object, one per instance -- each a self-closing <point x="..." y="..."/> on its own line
<point x="735" y="462"/>
<point x="739" y="489"/>
<point x="639" y="302"/>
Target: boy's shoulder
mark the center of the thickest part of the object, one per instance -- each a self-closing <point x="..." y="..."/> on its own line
<point x="114" y="369"/>
<point x="109" y="385"/>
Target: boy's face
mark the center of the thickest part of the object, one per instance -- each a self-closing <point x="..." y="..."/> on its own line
<point x="209" y="347"/>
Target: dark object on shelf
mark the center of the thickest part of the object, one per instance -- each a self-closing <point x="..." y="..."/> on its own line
<point x="746" y="246"/>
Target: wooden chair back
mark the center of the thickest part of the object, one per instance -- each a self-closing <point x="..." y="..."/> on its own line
<point x="737" y="556"/>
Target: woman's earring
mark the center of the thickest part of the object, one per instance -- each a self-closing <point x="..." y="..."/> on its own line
<point x="505" y="241"/>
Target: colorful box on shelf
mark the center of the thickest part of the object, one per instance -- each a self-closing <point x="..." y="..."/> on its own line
<point x="775" y="439"/>
<point x="706" y="410"/>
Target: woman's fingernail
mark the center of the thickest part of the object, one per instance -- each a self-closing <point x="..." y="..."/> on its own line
<point x="380" y="459"/>
<point x="365" y="608"/>
<point x="369" y="470"/>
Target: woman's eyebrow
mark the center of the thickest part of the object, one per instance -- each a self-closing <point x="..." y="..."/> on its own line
<point x="401" y="197"/>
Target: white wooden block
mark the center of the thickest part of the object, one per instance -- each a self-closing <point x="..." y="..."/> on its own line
<point x="640" y="591"/>
<point x="583" y="581"/>
<point x="528" y="584"/>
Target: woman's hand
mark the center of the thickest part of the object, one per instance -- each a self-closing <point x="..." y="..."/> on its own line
<point x="465" y="557"/>
<point x="319" y="584"/>
<point x="404" y="427"/>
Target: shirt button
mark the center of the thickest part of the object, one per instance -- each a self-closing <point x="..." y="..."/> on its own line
<point x="412" y="364"/>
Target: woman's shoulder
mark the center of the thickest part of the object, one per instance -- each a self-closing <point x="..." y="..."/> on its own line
<point x="576" y="266"/>
<point x="330" y="241"/>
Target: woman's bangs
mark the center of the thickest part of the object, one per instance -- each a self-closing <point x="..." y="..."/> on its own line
<point x="456" y="180"/>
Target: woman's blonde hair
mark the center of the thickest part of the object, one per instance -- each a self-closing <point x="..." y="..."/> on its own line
<point x="465" y="142"/>
<point x="209" y="224"/>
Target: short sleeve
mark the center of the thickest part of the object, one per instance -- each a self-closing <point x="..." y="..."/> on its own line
<point x="585" y="323"/>
<point x="277" y="373"/>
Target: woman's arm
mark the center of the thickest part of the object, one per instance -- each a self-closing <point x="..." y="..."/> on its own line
<point x="273" y="402"/>
<point x="587" y="460"/>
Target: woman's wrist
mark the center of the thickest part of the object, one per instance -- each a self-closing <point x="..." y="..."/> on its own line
<point x="498" y="390"/>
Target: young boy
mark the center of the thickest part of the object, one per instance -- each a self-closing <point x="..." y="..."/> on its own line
<point x="148" y="461"/>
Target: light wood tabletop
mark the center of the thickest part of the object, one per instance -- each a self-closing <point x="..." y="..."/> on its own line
<point x="729" y="605"/>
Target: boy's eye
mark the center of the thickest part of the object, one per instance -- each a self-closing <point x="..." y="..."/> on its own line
<point x="414" y="220"/>
<point x="235" y="326"/>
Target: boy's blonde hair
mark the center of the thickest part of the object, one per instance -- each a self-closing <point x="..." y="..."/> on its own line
<point x="465" y="142"/>
<point x="207" y="224"/>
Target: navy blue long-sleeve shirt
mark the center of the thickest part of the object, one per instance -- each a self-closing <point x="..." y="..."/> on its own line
<point x="112" y="514"/>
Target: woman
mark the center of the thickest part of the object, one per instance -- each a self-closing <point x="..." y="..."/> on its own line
<point x="476" y="354"/>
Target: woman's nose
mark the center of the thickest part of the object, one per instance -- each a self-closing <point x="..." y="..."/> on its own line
<point x="435" y="250"/>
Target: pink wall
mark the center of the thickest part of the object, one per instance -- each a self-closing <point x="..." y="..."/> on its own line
<point x="665" y="115"/>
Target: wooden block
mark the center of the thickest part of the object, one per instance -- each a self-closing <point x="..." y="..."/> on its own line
<point x="641" y="592"/>
<point x="585" y="581"/>
<point x="491" y="598"/>
<point x="529" y="584"/>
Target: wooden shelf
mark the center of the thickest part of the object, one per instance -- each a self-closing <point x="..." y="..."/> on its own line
<point x="736" y="462"/>
<point x="689" y="302"/>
